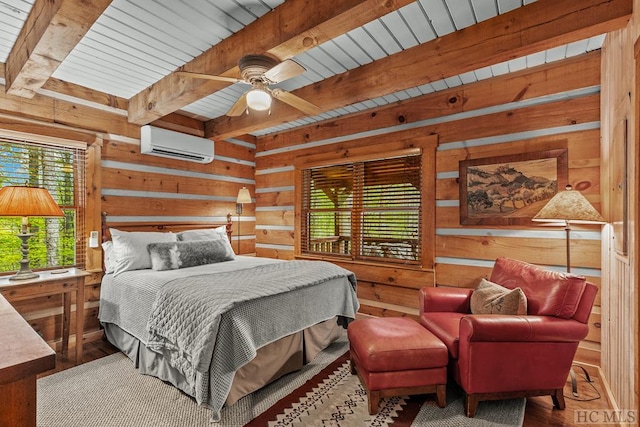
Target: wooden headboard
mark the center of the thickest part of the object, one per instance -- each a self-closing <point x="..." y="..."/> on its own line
<point x="160" y="226"/>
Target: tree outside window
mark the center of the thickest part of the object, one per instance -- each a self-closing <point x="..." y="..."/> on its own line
<point x="56" y="242"/>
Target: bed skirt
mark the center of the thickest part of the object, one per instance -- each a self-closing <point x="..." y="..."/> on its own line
<point x="288" y="354"/>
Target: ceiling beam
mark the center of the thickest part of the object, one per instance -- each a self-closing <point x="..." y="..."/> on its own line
<point x="52" y="29"/>
<point x="526" y="30"/>
<point x="290" y="29"/>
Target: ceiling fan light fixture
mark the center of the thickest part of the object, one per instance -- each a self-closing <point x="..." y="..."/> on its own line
<point x="258" y="99"/>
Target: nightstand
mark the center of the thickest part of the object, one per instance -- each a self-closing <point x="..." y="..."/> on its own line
<point x="53" y="282"/>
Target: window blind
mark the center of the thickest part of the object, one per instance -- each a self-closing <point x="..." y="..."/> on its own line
<point x="364" y="210"/>
<point x="56" y="242"/>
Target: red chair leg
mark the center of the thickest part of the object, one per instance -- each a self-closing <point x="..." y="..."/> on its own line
<point x="374" y="398"/>
<point x="558" y="399"/>
<point x="441" y="395"/>
<point x="470" y="405"/>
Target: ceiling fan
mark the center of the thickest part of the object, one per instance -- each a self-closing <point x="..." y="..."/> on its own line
<point x="260" y="71"/>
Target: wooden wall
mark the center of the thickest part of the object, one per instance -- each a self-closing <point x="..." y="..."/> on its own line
<point x="143" y="188"/>
<point x="129" y="186"/>
<point x="620" y="133"/>
<point x="553" y="106"/>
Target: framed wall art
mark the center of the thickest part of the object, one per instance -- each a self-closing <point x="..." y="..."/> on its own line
<point x="510" y="190"/>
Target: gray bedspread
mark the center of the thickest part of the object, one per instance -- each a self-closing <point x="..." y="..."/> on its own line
<point x="210" y="325"/>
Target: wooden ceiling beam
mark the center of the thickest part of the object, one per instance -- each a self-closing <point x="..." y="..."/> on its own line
<point x="290" y="29"/>
<point x="533" y="28"/>
<point x="52" y="29"/>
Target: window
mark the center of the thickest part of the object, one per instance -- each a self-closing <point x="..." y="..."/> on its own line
<point x="56" y="242"/>
<point x="364" y="210"/>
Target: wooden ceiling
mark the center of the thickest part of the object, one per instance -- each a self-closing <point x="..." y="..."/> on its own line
<point x="359" y="53"/>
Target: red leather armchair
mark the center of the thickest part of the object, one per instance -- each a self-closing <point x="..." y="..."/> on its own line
<point x="503" y="356"/>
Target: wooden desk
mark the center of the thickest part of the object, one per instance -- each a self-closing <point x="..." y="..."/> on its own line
<point x="23" y="355"/>
<point x="52" y="283"/>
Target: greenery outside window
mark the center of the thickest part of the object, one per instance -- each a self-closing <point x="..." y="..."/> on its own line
<point x="56" y="242"/>
<point x="364" y="210"/>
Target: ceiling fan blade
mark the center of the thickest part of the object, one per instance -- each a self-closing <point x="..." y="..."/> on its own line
<point x="208" y="76"/>
<point x="296" y="102"/>
<point x="284" y="70"/>
<point x="239" y="107"/>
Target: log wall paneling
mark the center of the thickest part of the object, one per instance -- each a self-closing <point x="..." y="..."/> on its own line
<point x="620" y="111"/>
<point x="556" y="105"/>
<point x="149" y="188"/>
<point x="116" y="169"/>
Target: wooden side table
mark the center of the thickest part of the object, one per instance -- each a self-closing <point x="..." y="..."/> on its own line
<point x="54" y="282"/>
<point x="23" y="355"/>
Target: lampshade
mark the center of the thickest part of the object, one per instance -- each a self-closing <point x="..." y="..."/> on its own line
<point x="244" y="196"/>
<point x="27" y="201"/>
<point x="258" y="99"/>
<point x="570" y="206"/>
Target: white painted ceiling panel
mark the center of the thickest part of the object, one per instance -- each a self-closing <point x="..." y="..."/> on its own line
<point x="505" y="6"/>
<point x="484" y="9"/>
<point x="414" y="16"/>
<point x="438" y="16"/>
<point x="517" y="64"/>
<point x="338" y="53"/>
<point x="399" y="31"/>
<point x="172" y="32"/>
<point x="363" y="39"/>
<point x="536" y="59"/>
<point x="351" y="48"/>
<point x="13" y="13"/>
<point x="461" y="13"/>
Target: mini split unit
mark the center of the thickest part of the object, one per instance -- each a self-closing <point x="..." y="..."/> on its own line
<point x="175" y="145"/>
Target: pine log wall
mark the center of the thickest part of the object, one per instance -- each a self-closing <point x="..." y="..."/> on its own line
<point x="556" y="105"/>
<point x="128" y="186"/>
<point x="620" y="107"/>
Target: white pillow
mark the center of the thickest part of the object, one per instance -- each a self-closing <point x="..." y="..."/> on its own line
<point x="204" y="234"/>
<point x="130" y="248"/>
<point x="109" y="257"/>
<point x="218" y="233"/>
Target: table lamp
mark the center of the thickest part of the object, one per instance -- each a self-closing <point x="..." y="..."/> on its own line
<point x="24" y="201"/>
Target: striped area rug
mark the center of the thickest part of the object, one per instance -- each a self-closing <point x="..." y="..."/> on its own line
<point x="110" y="392"/>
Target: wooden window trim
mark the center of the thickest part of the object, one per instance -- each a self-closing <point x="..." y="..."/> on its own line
<point x="377" y="147"/>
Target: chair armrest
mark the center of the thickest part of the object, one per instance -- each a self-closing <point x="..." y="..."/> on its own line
<point x="456" y="300"/>
<point x="501" y="328"/>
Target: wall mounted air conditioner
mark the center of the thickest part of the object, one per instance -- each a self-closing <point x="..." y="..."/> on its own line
<point x="175" y="145"/>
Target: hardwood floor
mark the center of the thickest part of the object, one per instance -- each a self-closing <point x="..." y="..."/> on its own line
<point x="591" y="397"/>
<point x="539" y="410"/>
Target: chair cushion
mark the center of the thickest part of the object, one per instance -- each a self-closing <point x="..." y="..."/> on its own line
<point x="445" y="326"/>
<point x="549" y="293"/>
<point x="491" y="298"/>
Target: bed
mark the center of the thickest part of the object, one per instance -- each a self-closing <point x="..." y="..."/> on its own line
<point x="184" y="308"/>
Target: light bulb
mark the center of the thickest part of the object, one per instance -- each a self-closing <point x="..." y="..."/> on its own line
<point x="258" y="99"/>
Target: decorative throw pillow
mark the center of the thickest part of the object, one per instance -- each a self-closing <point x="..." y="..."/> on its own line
<point x="491" y="298"/>
<point x="109" y="257"/>
<point x="218" y="233"/>
<point x="130" y="248"/>
<point x="170" y="256"/>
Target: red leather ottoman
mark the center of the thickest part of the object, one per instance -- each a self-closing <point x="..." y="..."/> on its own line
<point x="396" y="356"/>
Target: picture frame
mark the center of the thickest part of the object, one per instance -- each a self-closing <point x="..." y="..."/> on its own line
<point x="511" y="189"/>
